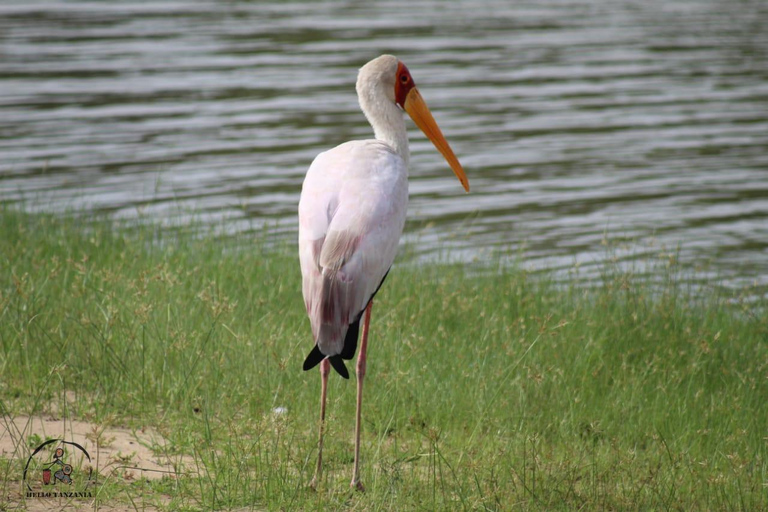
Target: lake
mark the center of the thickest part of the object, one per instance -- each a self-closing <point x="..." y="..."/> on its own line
<point x="640" y="125"/>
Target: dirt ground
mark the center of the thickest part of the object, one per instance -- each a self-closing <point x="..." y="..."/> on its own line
<point x="116" y="452"/>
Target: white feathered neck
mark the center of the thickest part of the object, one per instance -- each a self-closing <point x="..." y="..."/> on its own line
<point x="376" y="93"/>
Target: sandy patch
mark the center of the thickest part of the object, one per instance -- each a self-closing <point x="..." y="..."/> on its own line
<point x="119" y="453"/>
<point x="139" y="451"/>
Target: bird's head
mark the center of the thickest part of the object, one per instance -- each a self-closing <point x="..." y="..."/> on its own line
<point x="386" y="78"/>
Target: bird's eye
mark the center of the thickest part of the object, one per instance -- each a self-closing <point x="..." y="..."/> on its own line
<point x="403" y="79"/>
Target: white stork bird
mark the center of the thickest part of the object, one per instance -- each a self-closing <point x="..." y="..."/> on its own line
<point x="351" y="215"/>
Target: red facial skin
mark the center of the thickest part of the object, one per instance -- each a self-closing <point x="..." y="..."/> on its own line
<point x="403" y="84"/>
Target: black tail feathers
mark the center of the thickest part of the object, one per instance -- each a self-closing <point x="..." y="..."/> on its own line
<point x="339" y="366"/>
<point x="347" y="352"/>
<point x="350" y="344"/>
<point x="313" y="359"/>
<point x="315" y="356"/>
<point x="350" y="340"/>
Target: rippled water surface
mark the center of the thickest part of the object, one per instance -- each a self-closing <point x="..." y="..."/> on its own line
<point x="574" y="119"/>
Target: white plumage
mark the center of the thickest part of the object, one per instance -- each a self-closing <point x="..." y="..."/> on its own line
<point x="351" y="216"/>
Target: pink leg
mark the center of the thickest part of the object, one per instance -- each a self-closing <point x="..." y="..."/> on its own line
<point x="325" y="370"/>
<point x="356" y="483"/>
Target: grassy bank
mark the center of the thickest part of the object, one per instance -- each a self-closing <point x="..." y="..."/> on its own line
<point x="495" y="392"/>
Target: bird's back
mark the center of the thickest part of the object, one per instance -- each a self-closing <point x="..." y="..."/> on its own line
<point x="351" y="215"/>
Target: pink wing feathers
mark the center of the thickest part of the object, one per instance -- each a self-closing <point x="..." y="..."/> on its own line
<point x="351" y="216"/>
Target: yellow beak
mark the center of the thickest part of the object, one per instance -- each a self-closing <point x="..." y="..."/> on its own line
<point x="419" y="112"/>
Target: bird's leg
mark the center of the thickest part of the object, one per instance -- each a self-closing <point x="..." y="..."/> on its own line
<point x="356" y="484"/>
<point x="325" y="370"/>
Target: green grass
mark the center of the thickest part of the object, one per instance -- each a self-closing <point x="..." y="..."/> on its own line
<point x="488" y="388"/>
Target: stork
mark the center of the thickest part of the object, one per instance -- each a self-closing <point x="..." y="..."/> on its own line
<point x="351" y="215"/>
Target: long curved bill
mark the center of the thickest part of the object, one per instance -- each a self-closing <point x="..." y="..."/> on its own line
<point x="419" y="112"/>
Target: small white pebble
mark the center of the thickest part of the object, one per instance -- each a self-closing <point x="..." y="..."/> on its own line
<point x="279" y="410"/>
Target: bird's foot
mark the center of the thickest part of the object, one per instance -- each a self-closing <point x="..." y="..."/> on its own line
<point x="357" y="485"/>
<point x="314" y="483"/>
